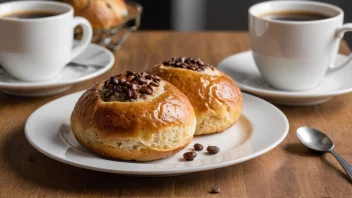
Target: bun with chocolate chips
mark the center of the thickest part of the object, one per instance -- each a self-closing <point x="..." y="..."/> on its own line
<point x="135" y="116"/>
<point x="215" y="97"/>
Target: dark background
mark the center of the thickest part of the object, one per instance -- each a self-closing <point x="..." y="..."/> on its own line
<point x="200" y="15"/>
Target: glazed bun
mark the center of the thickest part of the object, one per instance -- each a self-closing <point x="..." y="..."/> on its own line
<point x="133" y="117"/>
<point x="215" y="97"/>
<point x="102" y="14"/>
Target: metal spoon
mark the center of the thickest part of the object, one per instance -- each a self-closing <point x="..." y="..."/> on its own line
<point x="318" y="141"/>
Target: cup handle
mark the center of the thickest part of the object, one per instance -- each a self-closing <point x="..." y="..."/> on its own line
<point x="86" y="38"/>
<point x="339" y="34"/>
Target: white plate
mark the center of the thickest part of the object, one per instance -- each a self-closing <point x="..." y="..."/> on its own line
<point x="94" y="54"/>
<point x="262" y="126"/>
<point x="241" y="67"/>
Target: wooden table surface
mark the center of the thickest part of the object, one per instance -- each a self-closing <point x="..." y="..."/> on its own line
<point x="289" y="170"/>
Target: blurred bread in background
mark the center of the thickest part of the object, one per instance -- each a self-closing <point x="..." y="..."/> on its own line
<point x="102" y="14"/>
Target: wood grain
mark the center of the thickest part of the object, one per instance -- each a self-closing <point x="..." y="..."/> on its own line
<point x="289" y="170"/>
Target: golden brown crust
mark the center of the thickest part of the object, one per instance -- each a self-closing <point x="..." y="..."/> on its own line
<point x="147" y="154"/>
<point x="132" y="121"/>
<point x="102" y="14"/>
<point x="216" y="99"/>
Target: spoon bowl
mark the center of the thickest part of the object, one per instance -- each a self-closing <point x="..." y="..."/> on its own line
<point x="314" y="139"/>
<point x="318" y="141"/>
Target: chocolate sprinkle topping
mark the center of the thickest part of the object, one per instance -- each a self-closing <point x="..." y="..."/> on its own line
<point x="131" y="86"/>
<point x="188" y="63"/>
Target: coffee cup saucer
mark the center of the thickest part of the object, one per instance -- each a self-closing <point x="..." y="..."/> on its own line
<point x="241" y="68"/>
<point x="94" y="61"/>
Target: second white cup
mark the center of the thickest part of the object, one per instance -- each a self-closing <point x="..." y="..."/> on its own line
<point x="297" y="54"/>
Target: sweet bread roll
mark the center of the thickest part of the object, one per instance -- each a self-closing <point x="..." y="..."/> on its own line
<point x="133" y="117"/>
<point x="215" y="97"/>
<point x="102" y="14"/>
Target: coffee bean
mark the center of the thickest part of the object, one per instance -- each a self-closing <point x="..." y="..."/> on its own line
<point x="156" y="77"/>
<point x="122" y="79"/>
<point x="189" y="156"/>
<point x="127" y="84"/>
<point x="185" y="63"/>
<point x="198" y="147"/>
<point x="215" y="190"/>
<point x="146" y="90"/>
<point x="129" y="73"/>
<point x="129" y="93"/>
<point x="142" y="80"/>
<point x="155" y="84"/>
<point x="111" y="86"/>
<point x="213" y="149"/>
<point x="200" y="62"/>
<point x="135" y="94"/>
<point x="166" y="63"/>
<point x="114" y="81"/>
<point x="130" y="78"/>
<point x="134" y="86"/>
<point x="173" y="59"/>
<point x="148" y="77"/>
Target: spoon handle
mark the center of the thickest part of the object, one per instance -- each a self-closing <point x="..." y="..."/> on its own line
<point x="345" y="165"/>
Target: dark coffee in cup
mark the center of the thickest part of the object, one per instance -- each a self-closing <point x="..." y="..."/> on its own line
<point x="30" y="14"/>
<point x="292" y="15"/>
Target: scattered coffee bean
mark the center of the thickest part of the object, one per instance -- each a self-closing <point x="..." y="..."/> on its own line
<point x="189" y="156"/>
<point x="213" y="149"/>
<point x="198" y="147"/>
<point x="215" y="189"/>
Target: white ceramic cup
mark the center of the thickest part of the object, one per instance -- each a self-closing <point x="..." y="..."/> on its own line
<point x="37" y="49"/>
<point x="296" y="55"/>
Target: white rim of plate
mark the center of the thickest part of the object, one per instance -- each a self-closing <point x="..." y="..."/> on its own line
<point x="167" y="171"/>
<point x="298" y="94"/>
<point x="42" y="84"/>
